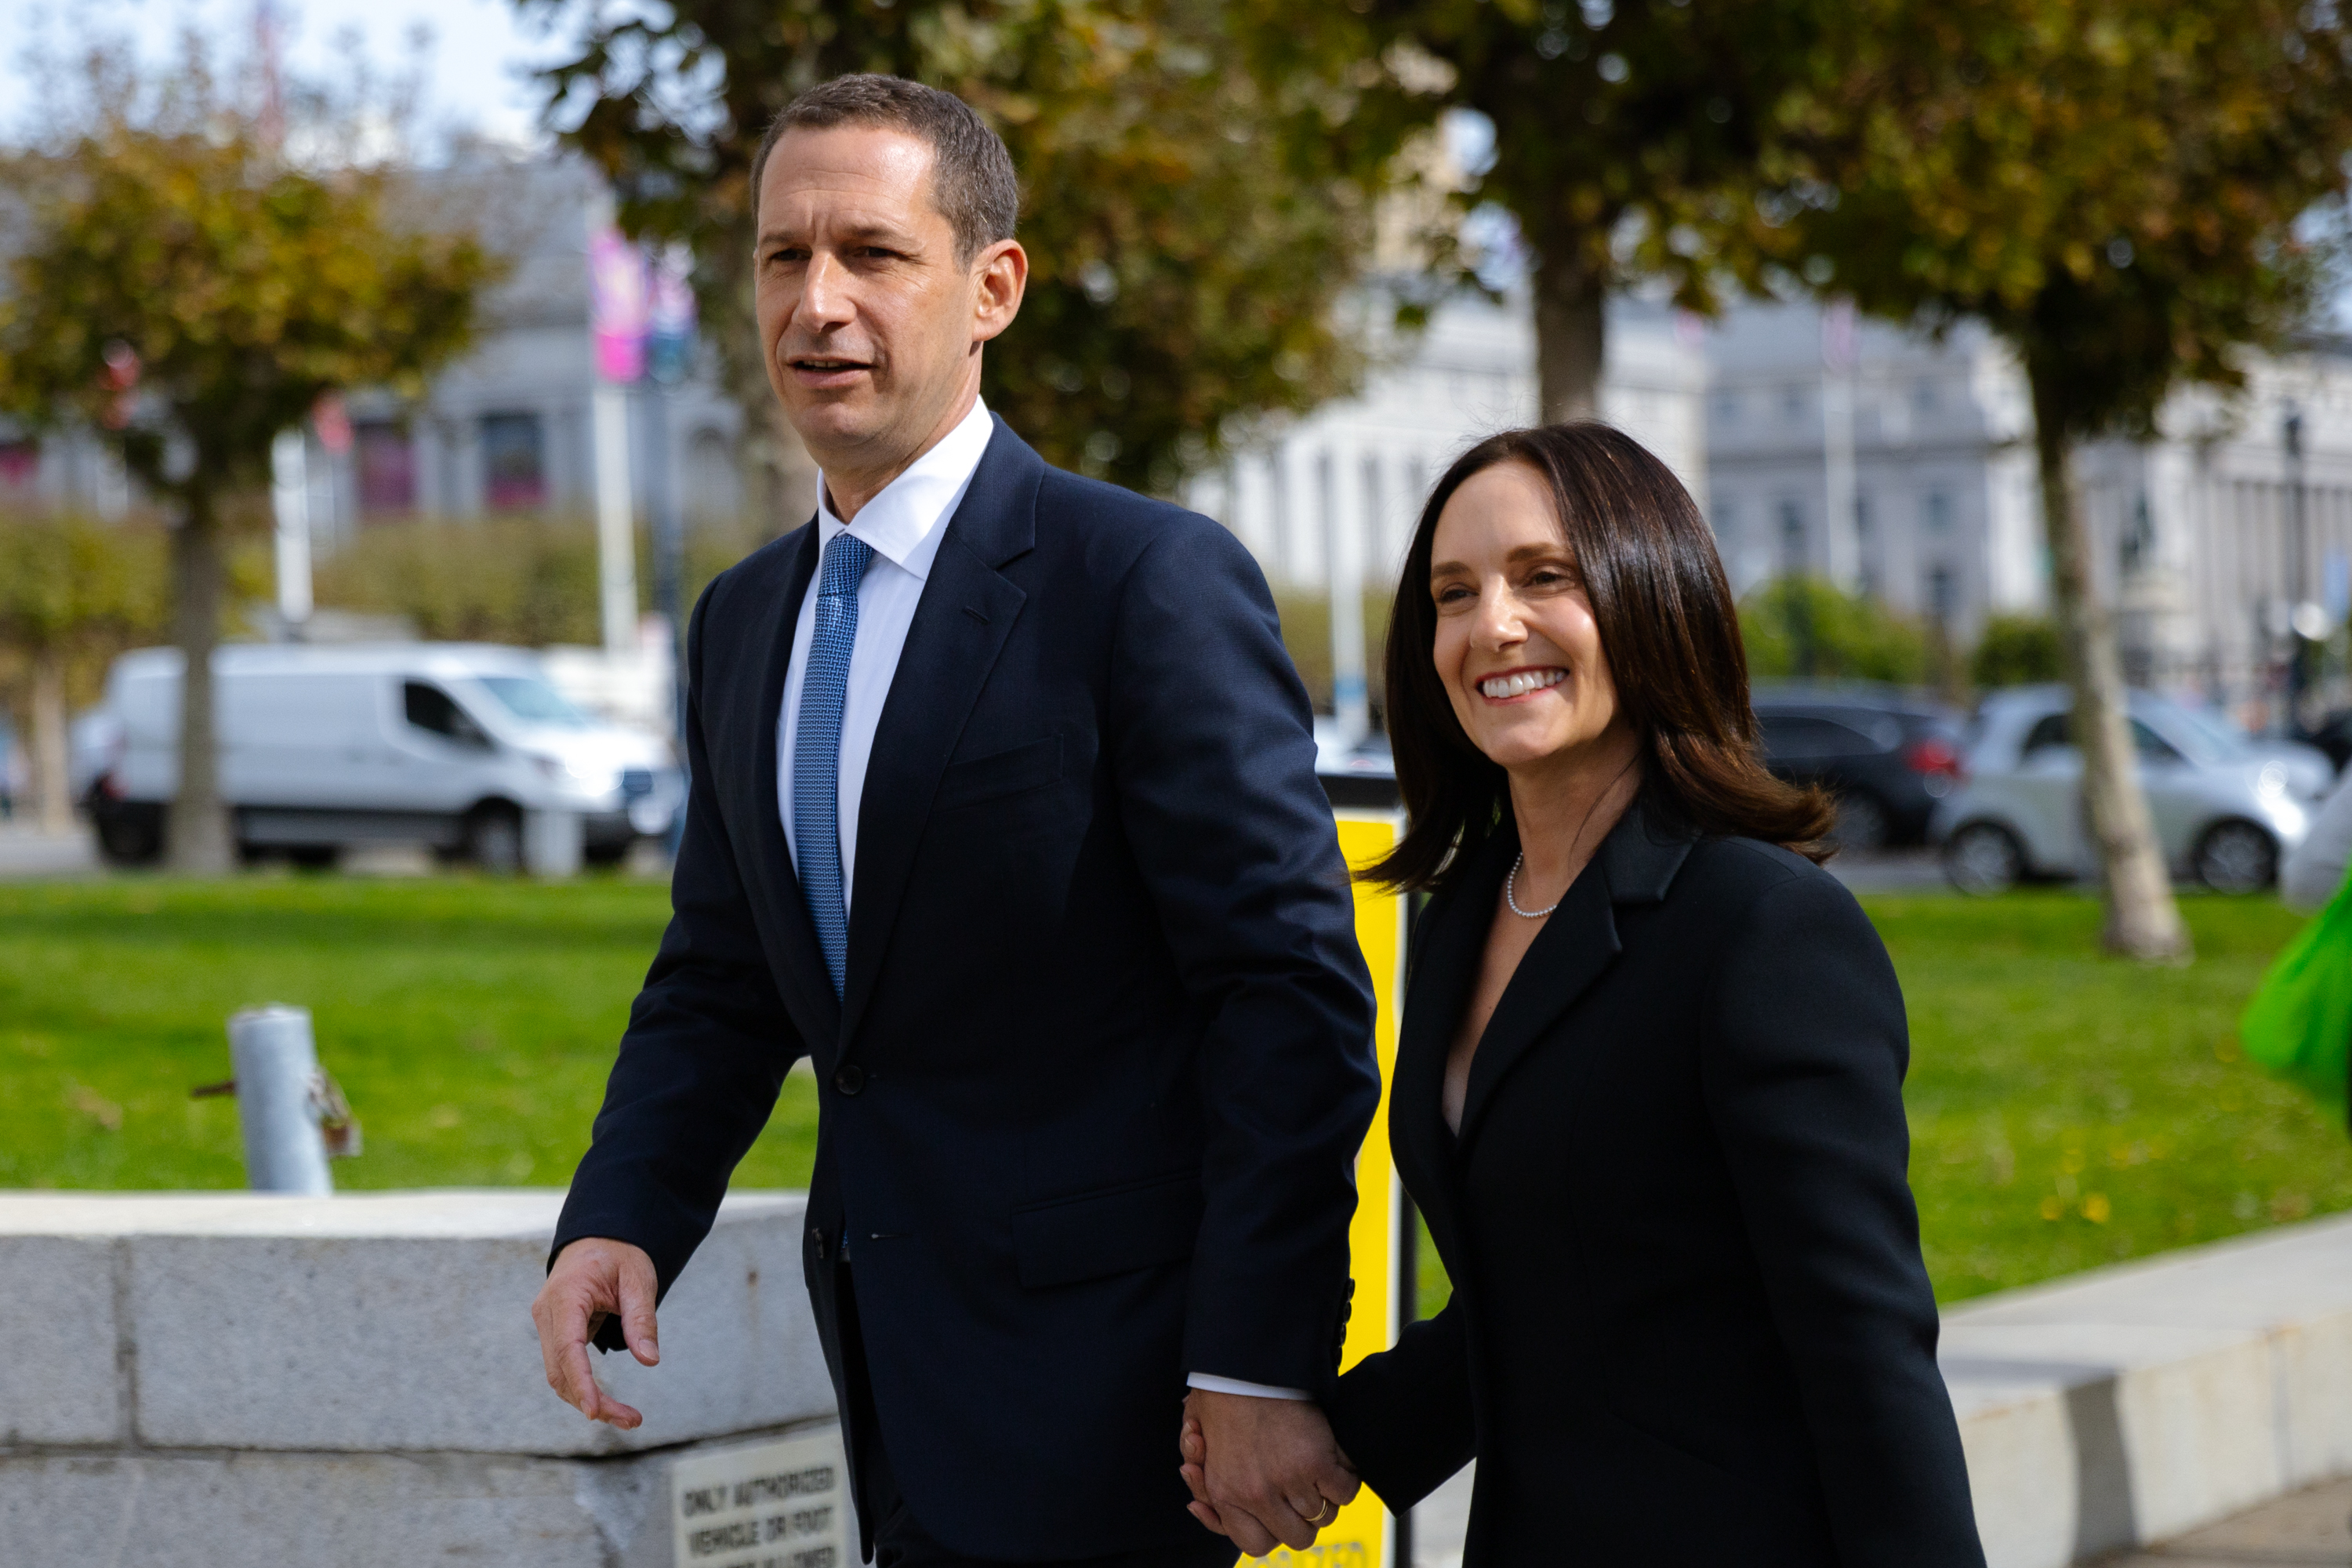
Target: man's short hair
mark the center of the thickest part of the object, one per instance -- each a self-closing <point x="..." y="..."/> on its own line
<point x="973" y="183"/>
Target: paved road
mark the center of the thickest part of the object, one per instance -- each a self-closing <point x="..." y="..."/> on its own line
<point x="2306" y="1530"/>
<point x="1891" y="871"/>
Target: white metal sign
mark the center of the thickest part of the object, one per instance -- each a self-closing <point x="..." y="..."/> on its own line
<point x="783" y="1504"/>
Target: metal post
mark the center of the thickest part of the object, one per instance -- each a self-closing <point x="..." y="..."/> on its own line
<point x="669" y="559"/>
<point x="289" y="497"/>
<point x="1343" y="571"/>
<point x="2300" y="645"/>
<point x="1407" y="1313"/>
<point x="278" y="1089"/>
<point x="616" y="534"/>
<point x="1841" y="540"/>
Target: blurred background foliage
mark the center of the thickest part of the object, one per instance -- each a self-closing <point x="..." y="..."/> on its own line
<point x="179" y="285"/>
<point x="2017" y="650"/>
<point x="528" y="580"/>
<point x="1193" y="225"/>
<point x="1808" y="628"/>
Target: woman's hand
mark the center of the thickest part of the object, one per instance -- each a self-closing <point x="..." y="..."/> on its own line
<point x="1291" y="1521"/>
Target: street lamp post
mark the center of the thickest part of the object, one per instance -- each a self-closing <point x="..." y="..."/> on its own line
<point x="2300" y="643"/>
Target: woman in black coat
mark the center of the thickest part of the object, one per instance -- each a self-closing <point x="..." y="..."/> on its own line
<point x="1648" y="1086"/>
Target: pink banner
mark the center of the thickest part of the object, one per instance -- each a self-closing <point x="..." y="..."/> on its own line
<point x="619" y="304"/>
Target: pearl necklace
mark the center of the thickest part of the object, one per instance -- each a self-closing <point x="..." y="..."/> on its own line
<point x="1510" y="893"/>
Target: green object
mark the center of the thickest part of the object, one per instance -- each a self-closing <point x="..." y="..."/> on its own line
<point x="2299" y="1024"/>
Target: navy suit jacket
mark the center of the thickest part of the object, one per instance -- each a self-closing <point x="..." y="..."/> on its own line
<point x="1094" y="1091"/>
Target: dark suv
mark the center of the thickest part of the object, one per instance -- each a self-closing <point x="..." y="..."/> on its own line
<point x="1887" y="754"/>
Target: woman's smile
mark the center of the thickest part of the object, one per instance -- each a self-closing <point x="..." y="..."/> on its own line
<point x="1519" y="685"/>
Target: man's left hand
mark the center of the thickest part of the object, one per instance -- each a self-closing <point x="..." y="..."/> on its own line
<point x="1263" y="1471"/>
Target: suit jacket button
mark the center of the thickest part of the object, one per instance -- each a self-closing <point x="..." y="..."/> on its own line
<point x="817" y="1235"/>
<point x="849" y="1078"/>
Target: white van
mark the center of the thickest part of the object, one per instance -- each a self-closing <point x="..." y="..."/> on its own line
<point x="446" y="744"/>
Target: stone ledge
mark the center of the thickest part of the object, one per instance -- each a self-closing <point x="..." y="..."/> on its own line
<point x="216" y="1508"/>
<point x="2133" y="1404"/>
<point x="372" y="1322"/>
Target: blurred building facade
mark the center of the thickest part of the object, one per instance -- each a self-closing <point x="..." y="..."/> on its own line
<point x="2204" y="539"/>
<point x="1343" y="486"/>
<point x="506" y="430"/>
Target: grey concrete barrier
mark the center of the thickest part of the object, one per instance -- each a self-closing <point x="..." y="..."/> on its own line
<point x="202" y="1380"/>
<point x="2130" y="1405"/>
<point x="208" y="1380"/>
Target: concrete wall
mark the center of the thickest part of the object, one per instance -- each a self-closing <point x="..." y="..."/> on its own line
<point x="235" y="1379"/>
<point x="213" y="1381"/>
<point x="2135" y="1403"/>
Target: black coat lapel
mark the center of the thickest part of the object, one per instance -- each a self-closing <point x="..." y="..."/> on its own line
<point x="807" y="988"/>
<point x="966" y="612"/>
<point x="1448" y="942"/>
<point x="1568" y="954"/>
<point x="1635" y="865"/>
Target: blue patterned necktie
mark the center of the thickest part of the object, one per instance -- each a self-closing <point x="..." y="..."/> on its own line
<point x="816" y="749"/>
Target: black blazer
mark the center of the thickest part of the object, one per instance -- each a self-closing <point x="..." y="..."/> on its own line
<point x="1690" y="1324"/>
<point x="1094" y="1093"/>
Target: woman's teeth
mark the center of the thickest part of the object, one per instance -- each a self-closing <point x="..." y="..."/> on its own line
<point x="1502" y="686"/>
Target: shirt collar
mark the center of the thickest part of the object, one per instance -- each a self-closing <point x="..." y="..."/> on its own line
<point x="903" y="521"/>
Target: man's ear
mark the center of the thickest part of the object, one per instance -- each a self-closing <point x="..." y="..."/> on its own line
<point x="1000" y="278"/>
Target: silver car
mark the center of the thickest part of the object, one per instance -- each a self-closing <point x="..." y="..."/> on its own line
<point x="2227" y="808"/>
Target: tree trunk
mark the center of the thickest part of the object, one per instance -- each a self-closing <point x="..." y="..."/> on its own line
<point x="2142" y="921"/>
<point x="779" y="480"/>
<point x="52" y="787"/>
<point x="199" y="837"/>
<point x="1570" y="335"/>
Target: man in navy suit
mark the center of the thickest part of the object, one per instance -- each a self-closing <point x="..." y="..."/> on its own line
<point x="1004" y="813"/>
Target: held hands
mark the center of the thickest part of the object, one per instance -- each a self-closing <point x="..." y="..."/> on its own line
<point x="594" y="1279"/>
<point x="1276" y="1474"/>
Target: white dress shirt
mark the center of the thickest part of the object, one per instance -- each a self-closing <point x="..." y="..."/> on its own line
<point x="904" y="524"/>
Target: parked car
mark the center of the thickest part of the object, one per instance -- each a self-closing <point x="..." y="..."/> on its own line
<point x="2225" y="810"/>
<point x="1886" y="754"/>
<point x="2334" y="737"/>
<point x="2309" y="768"/>
<point x="325" y="748"/>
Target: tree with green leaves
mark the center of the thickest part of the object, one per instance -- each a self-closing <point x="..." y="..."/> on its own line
<point x="73" y="591"/>
<point x="2115" y="188"/>
<point x="1633" y="139"/>
<point x="1193" y="228"/>
<point x="176" y="285"/>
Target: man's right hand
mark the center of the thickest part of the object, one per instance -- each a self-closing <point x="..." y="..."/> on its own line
<point x="593" y="1278"/>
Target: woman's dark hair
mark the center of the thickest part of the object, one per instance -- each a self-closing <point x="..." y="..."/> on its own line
<point x="1667" y="627"/>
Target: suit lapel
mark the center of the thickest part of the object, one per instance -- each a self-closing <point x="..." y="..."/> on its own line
<point x="1448" y="942"/>
<point x="808" y="989"/>
<point x="1635" y="865"/>
<point x="1568" y="955"/>
<point x="962" y="621"/>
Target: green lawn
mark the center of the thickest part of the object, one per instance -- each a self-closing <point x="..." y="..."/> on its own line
<point x="471" y="1023"/>
<point x="2066" y="1111"/>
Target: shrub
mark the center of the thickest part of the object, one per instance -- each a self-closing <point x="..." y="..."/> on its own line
<point x="1807" y="629"/>
<point x="2016" y="650"/>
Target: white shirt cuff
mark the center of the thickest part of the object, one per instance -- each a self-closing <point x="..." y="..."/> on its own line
<point x="1209" y="1381"/>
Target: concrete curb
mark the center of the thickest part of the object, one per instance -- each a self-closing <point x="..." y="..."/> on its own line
<point x="2131" y="1405"/>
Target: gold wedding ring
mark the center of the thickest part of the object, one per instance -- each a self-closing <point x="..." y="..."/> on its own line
<point x="1320" y="1513"/>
